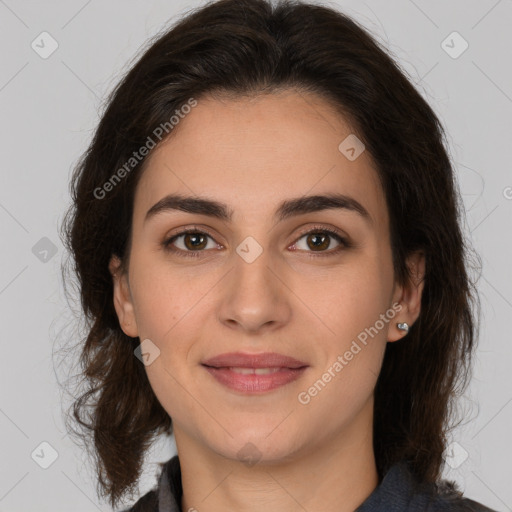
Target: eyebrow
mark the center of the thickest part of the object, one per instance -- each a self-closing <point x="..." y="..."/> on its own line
<point x="288" y="208"/>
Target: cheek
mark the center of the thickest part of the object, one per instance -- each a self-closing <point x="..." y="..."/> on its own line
<point x="354" y="306"/>
<point x="168" y="304"/>
<point x="349" y="298"/>
<point x="164" y="297"/>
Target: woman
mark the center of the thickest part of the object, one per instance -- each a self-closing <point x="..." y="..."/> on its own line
<point x="266" y="235"/>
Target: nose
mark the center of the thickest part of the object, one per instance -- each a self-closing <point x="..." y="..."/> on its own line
<point x="255" y="297"/>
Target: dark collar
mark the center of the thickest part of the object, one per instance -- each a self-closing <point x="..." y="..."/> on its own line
<point x="170" y="490"/>
<point x="398" y="491"/>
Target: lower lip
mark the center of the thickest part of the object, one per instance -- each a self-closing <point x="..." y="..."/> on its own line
<point x="252" y="383"/>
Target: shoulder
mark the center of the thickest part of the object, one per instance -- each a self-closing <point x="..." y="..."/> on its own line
<point x="147" y="503"/>
<point x="446" y="497"/>
<point x="460" y="505"/>
<point x="166" y="495"/>
<point x="401" y="491"/>
<point x="456" y="504"/>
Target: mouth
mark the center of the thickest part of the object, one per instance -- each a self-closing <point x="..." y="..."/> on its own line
<point x="254" y="373"/>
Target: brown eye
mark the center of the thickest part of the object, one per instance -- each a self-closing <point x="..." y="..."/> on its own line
<point x="194" y="241"/>
<point x="189" y="243"/>
<point x="318" y="241"/>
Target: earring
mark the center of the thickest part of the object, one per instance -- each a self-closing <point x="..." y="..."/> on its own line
<point x="403" y="326"/>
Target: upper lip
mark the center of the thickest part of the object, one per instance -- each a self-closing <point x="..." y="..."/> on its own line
<point x="262" y="360"/>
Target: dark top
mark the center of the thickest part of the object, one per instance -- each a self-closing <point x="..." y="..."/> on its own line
<point x="397" y="492"/>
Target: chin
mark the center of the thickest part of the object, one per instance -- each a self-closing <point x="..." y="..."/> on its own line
<point x="255" y="445"/>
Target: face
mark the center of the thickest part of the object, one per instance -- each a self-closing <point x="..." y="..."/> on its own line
<point x="311" y="281"/>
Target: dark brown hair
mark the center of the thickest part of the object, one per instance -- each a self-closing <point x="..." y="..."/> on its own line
<point x="246" y="48"/>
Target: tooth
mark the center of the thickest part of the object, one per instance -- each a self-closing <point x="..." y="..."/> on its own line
<point x="257" y="371"/>
<point x="265" y="371"/>
<point x="243" y="370"/>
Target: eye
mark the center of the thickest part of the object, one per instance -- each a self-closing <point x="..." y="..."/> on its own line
<point x="318" y="239"/>
<point x="192" y="241"/>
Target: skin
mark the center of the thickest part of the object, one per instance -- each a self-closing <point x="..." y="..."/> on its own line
<point x="252" y="154"/>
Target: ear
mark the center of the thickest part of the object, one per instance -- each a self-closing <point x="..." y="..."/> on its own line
<point x="409" y="296"/>
<point x="122" y="298"/>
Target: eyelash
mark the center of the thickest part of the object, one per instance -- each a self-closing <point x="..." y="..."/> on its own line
<point x="344" y="243"/>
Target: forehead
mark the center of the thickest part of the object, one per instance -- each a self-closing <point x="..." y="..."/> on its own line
<point x="254" y="153"/>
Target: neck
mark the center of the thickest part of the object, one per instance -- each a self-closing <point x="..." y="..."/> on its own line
<point x="334" y="475"/>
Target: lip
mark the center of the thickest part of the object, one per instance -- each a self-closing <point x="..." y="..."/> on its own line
<point x="262" y="360"/>
<point x="284" y="370"/>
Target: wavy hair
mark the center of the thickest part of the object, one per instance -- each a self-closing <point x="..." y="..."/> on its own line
<point x="245" y="48"/>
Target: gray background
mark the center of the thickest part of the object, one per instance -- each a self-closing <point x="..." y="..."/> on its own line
<point x="49" y="110"/>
